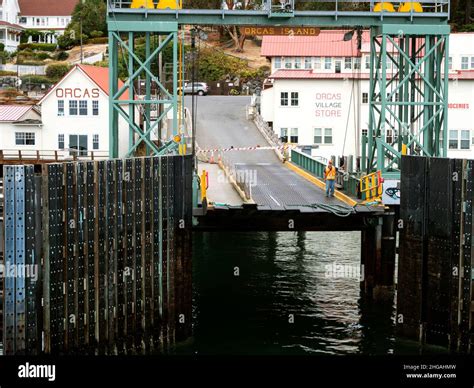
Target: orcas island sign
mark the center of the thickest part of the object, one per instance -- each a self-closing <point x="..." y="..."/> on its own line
<point x="290" y="31"/>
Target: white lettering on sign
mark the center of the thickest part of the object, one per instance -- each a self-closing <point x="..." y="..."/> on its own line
<point x="328" y="105"/>
<point x="77" y="93"/>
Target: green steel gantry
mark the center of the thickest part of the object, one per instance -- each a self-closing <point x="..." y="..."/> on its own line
<point x="408" y="104"/>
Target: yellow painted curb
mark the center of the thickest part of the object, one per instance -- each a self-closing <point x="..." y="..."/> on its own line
<point x="317" y="182"/>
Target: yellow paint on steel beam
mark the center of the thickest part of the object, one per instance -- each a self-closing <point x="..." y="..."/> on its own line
<point x="311" y="178"/>
<point x="203" y="185"/>
<point x="404" y="149"/>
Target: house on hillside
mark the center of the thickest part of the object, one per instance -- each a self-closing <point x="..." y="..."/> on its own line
<point x="48" y="16"/>
<point x="10" y="31"/>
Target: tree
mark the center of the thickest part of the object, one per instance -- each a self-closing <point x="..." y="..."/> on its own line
<point x="234" y="31"/>
<point x="92" y="14"/>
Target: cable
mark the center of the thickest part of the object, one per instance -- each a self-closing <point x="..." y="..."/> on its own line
<point x="336" y="209"/>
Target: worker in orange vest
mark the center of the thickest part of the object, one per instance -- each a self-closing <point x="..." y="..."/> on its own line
<point x="330" y="177"/>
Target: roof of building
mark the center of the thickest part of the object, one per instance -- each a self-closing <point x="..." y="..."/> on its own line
<point x="47" y="7"/>
<point x="98" y="75"/>
<point x="7" y="24"/>
<point x="13" y="113"/>
<point x="311" y="74"/>
<point x="328" y="43"/>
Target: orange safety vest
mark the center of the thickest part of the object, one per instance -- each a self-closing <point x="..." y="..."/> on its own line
<point x="330" y="173"/>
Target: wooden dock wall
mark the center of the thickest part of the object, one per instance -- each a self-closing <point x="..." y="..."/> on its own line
<point x="112" y="244"/>
<point x="435" y="301"/>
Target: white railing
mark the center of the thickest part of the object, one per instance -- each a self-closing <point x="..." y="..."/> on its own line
<point x="22" y="70"/>
<point x="41" y="156"/>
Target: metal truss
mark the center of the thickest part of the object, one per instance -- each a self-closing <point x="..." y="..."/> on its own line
<point x="408" y="97"/>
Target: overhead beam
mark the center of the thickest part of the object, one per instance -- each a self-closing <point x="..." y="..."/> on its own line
<point x="260" y="18"/>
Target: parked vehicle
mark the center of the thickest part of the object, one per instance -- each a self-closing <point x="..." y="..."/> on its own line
<point x="200" y="88"/>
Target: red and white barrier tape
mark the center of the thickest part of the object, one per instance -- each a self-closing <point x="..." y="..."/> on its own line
<point x="254" y="148"/>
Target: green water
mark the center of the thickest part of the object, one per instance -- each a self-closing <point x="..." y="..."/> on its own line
<point x="284" y="300"/>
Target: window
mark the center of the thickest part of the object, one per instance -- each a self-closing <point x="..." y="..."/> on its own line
<point x="459" y="139"/>
<point x="95" y="107"/>
<point x="60" y="107"/>
<point x="347" y="63"/>
<point x="61" y="141"/>
<point x="317" y="62"/>
<point x="83" y="108"/>
<point x="453" y="140"/>
<point x="318" y="136"/>
<point x="465" y="139"/>
<point x="294" y="135"/>
<point x="327" y="63"/>
<point x="389" y="136"/>
<point x="365" y="132"/>
<point x="22" y="20"/>
<point x="24" y="138"/>
<point x="95" y="142"/>
<point x="288" y="63"/>
<point x="450" y="63"/>
<point x="78" y="145"/>
<point x="297" y="63"/>
<point x="284" y="98"/>
<point x="365" y="98"/>
<point x="356" y="63"/>
<point x="278" y="63"/>
<point x="367" y="62"/>
<point x="284" y="135"/>
<point x="308" y="63"/>
<point x="327" y="135"/>
<point x="338" y="66"/>
<point x="72" y="108"/>
<point x="464" y="63"/>
<point x="472" y="62"/>
<point x="294" y="98"/>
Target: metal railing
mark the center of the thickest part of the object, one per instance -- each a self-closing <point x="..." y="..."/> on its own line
<point x="431" y="8"/>
<point x="42" y="156"/>
<point x="315" y="165"/>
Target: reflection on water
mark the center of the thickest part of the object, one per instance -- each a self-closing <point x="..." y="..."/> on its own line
<point x="286" y="299"/>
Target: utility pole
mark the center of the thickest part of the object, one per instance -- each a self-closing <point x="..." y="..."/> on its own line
<point x="80" y="32"/>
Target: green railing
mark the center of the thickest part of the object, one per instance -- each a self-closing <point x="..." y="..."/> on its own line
<point x="310" y="164"/>
<point x="349" y="182"/>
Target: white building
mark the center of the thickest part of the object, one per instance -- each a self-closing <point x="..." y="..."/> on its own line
<point x="20" y="128"/>
<point x="48" y="16"/>
<point x="75" y="113"/>
<point x="318" y="91"/>
<point x="10" y="31"/>
<point x="72" y="119"/>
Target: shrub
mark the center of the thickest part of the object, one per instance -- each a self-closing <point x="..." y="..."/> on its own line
<point x="42" y="56"/>
<point x="101" y="40"/>
<point x="2" y="47"/>
<point x="30" y="63"/>
<point x="65" y="42"/>
<point x="35" y="79"/>
<point x="5" y="73"/>
<point x="96" y="34"/>
<point x="102" y="64"/>
<point x="56" y="71"/>
<point x="37" y="46"/>
<point x="62" y="56"/>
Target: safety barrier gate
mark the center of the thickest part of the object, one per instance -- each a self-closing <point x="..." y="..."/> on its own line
<point x="111" y="246"/>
